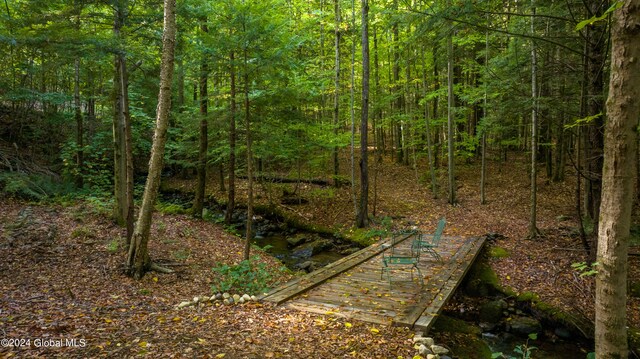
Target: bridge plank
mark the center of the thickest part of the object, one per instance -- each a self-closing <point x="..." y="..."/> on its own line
<point x="352" y="287"/>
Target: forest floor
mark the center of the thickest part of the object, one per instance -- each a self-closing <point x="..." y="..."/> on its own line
<point x="61" y="272"/>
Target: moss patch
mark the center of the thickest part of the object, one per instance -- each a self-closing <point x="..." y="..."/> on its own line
<point x="498" y="252"/>
<point x="468" y="346"/>
<point x="445" y="323"/>
<point x="482" y="281"/>
<point x="634" y="290"/>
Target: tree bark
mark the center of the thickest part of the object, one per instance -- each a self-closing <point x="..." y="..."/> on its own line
<point x="79" y="125"/>
<point x="363" y="212"/>
<point x="231" y="195"/>
<point x="123" y="155"/>
<point x="533" y="229"/>
<point x="596" y="48"/>
<point x="138" y="261"/>
<point x="247" y="119"/>
<point x="119" y="120"/>
<point x="336" y="94"/>
<point x="432" y="169"/>
<point x="198" y="202"/>
<point x="621" y="144"/>
<point x="450" y="118"/>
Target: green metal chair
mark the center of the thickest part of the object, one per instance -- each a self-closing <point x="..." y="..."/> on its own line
<point x="405" y="258"/>
<point x="429" y="245"/>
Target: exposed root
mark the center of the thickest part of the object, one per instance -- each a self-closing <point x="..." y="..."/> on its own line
<point x="157" y="268"/>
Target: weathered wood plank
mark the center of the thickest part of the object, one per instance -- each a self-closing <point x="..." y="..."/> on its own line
<point x="303" y="284"/>
<point x="353" y="287"/>
<point x="426" y="319"/>
<point x="434" y="286"/>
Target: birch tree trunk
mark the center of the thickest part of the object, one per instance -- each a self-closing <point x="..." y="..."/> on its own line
<point x="138" y="261"/>
<point x="618" y="179"/>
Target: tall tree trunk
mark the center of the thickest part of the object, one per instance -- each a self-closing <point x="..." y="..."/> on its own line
<point x="123" y="148"/>
<point x="79" y="125"/>
<point x="432" y="169"/>
<point x="484" y="128"/>
<point x="533" y="229"/>
<point x="621" y="145"/>
<point x="363" y="212"/>
<point x="353" y="111"/>
<point x="201" y="168"/>
<point x="247" y="119"/>
<point x="336" y="94"/>
<point x="597" y="37"/>
<point x="138" y="261"/>
<point x="450" y="118"/>
<point x="231" y="195"/>
<point x="119" y="120"/>
<point x="396" y="126"/>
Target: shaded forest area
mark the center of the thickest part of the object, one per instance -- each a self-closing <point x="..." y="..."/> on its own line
<point x="349" y="118"/>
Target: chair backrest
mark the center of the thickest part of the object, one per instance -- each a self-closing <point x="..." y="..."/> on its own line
<point x="436" y="236"/>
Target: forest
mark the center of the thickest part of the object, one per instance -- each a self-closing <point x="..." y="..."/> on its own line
<point x="164" y="164"/>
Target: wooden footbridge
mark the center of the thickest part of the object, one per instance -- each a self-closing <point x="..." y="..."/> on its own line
<point x="354" y="287"/>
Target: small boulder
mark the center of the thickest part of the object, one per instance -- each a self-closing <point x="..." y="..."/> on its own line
<point x="254" y="298"/>
<point x="296" y="240"/>
<point x="524" y="325"/>
<point x="184" y="304"/>
<point x="241" y="300"/>
<point x="226" y="295"/>
<point x="439" y="350"/>
<point x="562" y="333"/>
<point x="423" y="340"/>
<point x="423" y="350"/>
<point x="236" y="298"/>
<point x="491" y="312"/>
<point x="246" y="297"/>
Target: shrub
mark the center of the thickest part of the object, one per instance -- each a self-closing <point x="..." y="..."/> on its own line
<point x="248" y="276"/>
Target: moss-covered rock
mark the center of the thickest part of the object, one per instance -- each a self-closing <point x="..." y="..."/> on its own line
<point x="449" y="324"/>
<point x="481" y="280"/>
<point x="468" y="346"/>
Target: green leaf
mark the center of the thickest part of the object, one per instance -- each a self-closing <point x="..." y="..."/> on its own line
<point x="594" y="19"/>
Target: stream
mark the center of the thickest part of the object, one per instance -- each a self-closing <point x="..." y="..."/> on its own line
<point x="306" y="251"/>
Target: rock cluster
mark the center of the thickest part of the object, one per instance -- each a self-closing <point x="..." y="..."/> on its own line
<point x="428" y="349"/>
<point x="225" y="298"/>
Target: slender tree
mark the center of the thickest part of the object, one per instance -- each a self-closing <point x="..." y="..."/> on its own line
<point x="201" y="167"/>
<point x="450" y="118"/>
<point x="533" y="229"/>
<point x="138" y="260"/>
<point x="620" y="169"/>
<point x="231" y="194"/>
<point x="363" y="212"/>
<point x="336" y="93"/>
